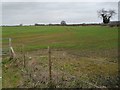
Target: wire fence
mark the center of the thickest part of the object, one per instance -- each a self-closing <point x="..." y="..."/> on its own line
<point x="5" y="46"/>
<point x="61" y="69"/>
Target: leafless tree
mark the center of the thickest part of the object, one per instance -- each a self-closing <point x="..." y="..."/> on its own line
<point x="63" y="23"/>
<point x="106" y="15"/>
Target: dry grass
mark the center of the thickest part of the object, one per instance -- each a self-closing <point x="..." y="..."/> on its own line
<point x="68" y="70"/>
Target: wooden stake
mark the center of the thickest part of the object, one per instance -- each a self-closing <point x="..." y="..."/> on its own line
<point x="12" y="52"/>
<point x="49" y="58"/>
<point x="23" y="51"/>
<point x="10" y="47"/>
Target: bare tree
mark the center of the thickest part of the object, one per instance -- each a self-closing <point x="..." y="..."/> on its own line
<point x="63" y="23"/>
<point x="21" y="24"/>
<point x="106" y="15"/>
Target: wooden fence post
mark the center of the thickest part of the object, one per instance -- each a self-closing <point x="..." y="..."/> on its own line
<point x="23" y="52"/>
<point x="11" y="51"/>
<point x="10" y="45"/>
<point x="50" y="64"/>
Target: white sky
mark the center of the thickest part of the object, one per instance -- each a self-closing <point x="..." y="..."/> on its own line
<point x="54" y="12"/>
<point x="60" y="0"/>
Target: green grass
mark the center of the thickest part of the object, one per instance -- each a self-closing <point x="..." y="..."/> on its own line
<point x="88" y="51"/>
<point x="89" y="37"/>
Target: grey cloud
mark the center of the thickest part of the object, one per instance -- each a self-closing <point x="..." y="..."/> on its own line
<point x="59" y="0"/>
<point x="52" y="12"/>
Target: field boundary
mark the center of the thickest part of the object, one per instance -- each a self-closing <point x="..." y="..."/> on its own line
<point x="10" y="51"/>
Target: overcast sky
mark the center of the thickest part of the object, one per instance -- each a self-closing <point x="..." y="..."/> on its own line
<point x="53" y="12"/>
<point x="60" y="0"/>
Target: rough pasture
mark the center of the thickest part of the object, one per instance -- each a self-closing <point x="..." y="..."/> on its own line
<point x="79" y="53"/>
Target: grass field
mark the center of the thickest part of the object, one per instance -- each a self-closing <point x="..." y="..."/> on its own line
<point x="93" y="37"/>
<point x="79" y="53"/>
